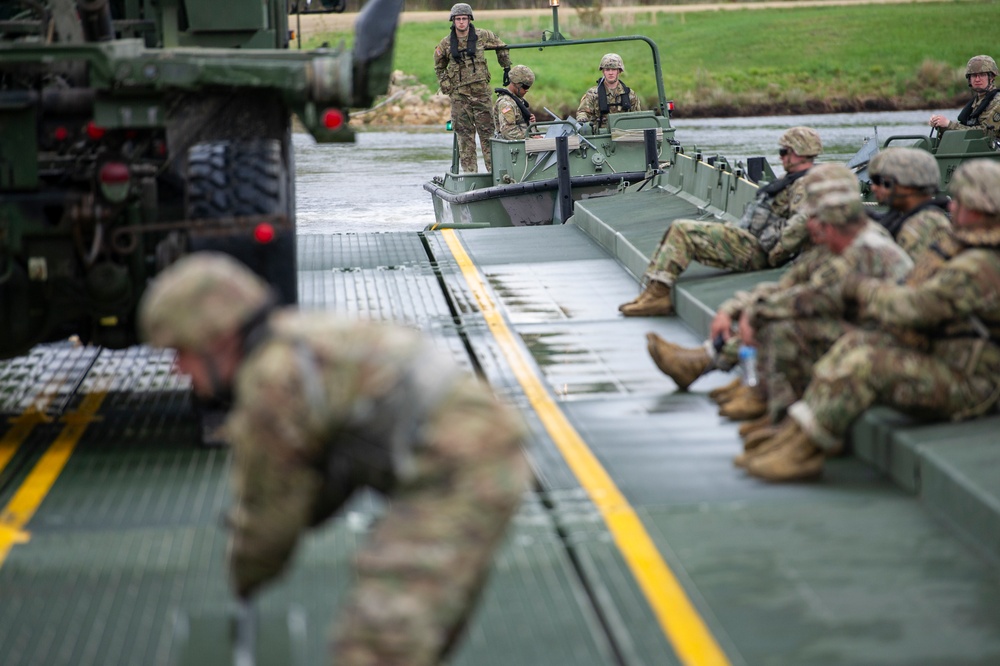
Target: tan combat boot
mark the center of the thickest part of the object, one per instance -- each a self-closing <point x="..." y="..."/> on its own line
<point x="756" y="424"/>
<point x="654" y="300"/>
<point x="763" y="440"/>
<point x="679" y="363"/>
<point x="794" y="459"/>
<point x="723" y="393"/>
<point x="745" y="405"/>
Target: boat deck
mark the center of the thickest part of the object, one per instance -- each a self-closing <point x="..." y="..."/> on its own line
<point x="640" y="543"/>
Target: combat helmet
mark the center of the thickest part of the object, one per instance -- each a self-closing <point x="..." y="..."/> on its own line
<point x="522" y="74"/>
<point x="979" y="64"/>
<point x="910" y="167"/>
<point x="461" y="9"/>
<point x="838" y="206"/>
<point x="197" y="299"/>
<point x="804" y="141"/>
<point x="976" y="185"/>
<point x="612" y="61"/>
<point x="823" y="180"/>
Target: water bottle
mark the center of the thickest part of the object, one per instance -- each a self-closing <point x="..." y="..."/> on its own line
<point x="748" y="363"/>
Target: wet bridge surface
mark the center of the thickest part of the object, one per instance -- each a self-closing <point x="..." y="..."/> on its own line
<point x="639" y="544"/>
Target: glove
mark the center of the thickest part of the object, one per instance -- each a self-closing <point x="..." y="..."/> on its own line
<point x="506" y="76"/>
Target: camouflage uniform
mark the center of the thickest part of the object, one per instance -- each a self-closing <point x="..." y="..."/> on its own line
<point x="721" y="245"/>
<point x="511" y="123"/>
<point x="326" y="406"/>
<point x="590" y="108"/>
<point x="983" y="110"/>
<point x="466" y="79"/>
<point x="948" y="367"/>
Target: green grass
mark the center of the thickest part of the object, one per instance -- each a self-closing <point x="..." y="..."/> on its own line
<point x="747" y="61"/>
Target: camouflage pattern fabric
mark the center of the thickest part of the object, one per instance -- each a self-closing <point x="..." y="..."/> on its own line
<point x="955" y="378"/>
<point x="466" y="81"/>
<point x="711" y="243"/>
<point x="796" y="325"/>
<point x="922" y="230"/>
<point x="590" y="108"/>
<point x="472" y="114"/>
<point x="989" y="119"/>
<point x="309" y="399"/>
<point x="510" y="123"/>
<point x="719" y="244"/>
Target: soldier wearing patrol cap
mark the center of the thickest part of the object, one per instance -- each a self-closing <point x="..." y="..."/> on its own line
<point x="906" y="180"/>
<point x="760" y="238"/>
<point x="610" y="95"/>
<point x="325" y="406"/>
<point x="795" y="320"/>
<point x="460" y="64"/>
<point x="512" y="112"/>
<point x="947" y="368"/>
<point x="983" y="110"/>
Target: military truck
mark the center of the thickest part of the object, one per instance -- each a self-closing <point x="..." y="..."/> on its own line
<point x="135" y="131"/>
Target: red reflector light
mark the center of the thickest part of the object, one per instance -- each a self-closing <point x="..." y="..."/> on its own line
<point x="114" y="173"/>
<point x="95" y="132"/>
<point x="60" y="133"/>
<point x="333" y="119"/>
<point x="263" y="233"/>
<point x="670" y="106"/>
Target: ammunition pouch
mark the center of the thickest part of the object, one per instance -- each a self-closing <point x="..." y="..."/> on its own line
<point x="763" y="223"/>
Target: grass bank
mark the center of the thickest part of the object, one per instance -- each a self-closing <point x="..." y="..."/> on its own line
<point x="748" y="61"/>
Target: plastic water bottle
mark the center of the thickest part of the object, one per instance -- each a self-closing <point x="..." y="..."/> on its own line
<point x="748" y="363"/>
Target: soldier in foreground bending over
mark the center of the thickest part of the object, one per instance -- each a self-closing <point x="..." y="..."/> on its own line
<point x="325" y="406"/>
<point x="743" y="246"/>
<point x="941" y="357"/>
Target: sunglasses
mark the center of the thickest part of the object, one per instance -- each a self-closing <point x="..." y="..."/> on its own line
<point x="881" y="181"/>
<point x="784" y="151"/>
<point x="524" y="87"/>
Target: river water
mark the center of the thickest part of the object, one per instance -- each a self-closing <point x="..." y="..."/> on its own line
<point x="376" y="184"/>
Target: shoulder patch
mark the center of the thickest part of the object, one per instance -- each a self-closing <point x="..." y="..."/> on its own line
<point x="437" y="51"/>
<point x="996" y="117"/>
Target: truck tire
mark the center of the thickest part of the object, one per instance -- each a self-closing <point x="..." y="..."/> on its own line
<point x="245" y="178"/>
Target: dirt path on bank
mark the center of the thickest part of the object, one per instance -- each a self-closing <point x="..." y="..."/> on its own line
<point x="313" y="24"/>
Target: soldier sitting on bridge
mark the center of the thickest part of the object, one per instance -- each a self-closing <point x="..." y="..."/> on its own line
<point x="742" y="246"/>
<point x="936" y="355"/>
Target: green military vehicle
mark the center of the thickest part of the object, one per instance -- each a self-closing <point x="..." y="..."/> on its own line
<point x="134" y="131"/>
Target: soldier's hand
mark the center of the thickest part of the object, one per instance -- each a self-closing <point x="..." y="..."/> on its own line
<point x="722" y="326"/>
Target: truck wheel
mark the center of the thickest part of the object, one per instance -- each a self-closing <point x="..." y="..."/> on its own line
<point x="242" y="178"/>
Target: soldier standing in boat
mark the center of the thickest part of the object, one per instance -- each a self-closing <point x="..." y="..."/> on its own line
<point x="983" y="110"/>
<point x="512" y="112"/>
<point x="610" y="95"/>
<point x="755" y="242"/>
<point x="460" y="63"/>
<point x="324" y="406"/>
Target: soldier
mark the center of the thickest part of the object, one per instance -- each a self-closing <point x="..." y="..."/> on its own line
<point x="906" y="179"/>
<point x="610" y="95"/>
<point x="512" y="112"/>
<point x="325" y="406"/>
<point x="947" y="367"/>
<point x="743" y="246"/>
<point x="983" y="110"/>
<point x="794" y="321"/>
<point x="460" y="63"/>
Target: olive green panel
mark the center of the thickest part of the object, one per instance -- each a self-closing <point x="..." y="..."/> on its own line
<point x="226" y="15"/>
<point x="19" y="157"/>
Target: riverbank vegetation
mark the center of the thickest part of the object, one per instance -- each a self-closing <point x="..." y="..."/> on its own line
<point x="746" y="61"/>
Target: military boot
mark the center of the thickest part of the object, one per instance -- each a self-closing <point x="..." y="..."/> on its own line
<point x="745" y="405"/>
<point x="796" y="458"/>
<point x="756" y="424"/>
<point x="764" y="440"/>
<point x="723" y="393"/>
<point x="654" y="300"/>
<point x="679" y="363"/>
